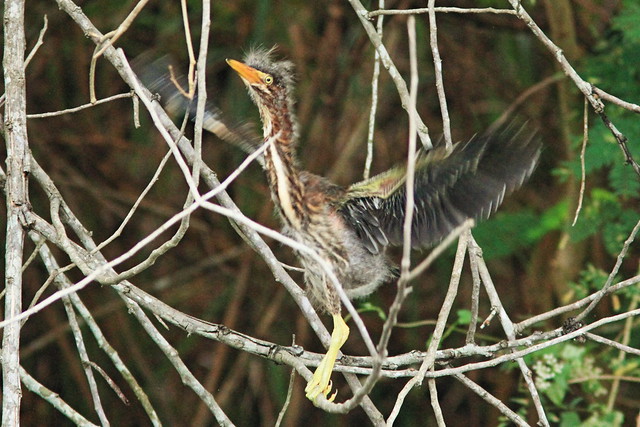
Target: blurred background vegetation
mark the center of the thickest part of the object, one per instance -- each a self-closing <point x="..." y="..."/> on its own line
<point x="101" y="162"/>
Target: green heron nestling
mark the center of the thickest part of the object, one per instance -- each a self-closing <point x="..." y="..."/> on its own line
<point x="349" y="228"/>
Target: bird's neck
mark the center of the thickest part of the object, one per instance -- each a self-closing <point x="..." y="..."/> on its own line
<point x="283" y="174"/>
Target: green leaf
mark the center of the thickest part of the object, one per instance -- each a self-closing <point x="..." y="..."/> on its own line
<point x="558" y="388"/>
<point x="464" y="317"/>
<point x="569" y="419"/>
<point x="624" y="180"/>
<point x="369" y="307"/>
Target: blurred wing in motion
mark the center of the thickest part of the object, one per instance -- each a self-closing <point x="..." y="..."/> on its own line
<point x="451" y="187"/>
<point x="157" y="76"/>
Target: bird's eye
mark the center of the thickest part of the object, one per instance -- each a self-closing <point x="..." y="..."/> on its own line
<point x="268" y="79"/>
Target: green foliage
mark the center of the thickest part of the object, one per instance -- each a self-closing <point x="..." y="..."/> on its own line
<point x="591" y="278"/>
<point x="368" y="307"/>
<point x="507" y="233"/>
<point x="570" y="377"/>
<point x="612" y="207"/>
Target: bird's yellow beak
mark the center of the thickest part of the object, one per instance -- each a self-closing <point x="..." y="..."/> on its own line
<point x="248" y="74"/>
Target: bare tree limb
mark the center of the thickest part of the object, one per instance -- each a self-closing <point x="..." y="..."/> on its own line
<point x="425" y="10"/>
<point x="17" y="203"/>
<point x="54" y="399"/>
<point x="437" y="66"/>
<point x="62" y="281"/>
<point x="388" y="64"/>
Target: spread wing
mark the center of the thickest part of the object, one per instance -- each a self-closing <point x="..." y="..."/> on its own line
<point x="157" y="77"/>
<point x="468" y="182"/>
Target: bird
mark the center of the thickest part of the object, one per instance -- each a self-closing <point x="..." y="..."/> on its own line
<point x="349" y="228"/>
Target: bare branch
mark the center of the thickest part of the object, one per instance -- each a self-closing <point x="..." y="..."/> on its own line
<point x="617" y="101"/>
<point x="86" y="363"/>
<point x="423" y="10"/>
<point x="62" y="281"/>
<point x="54" y="399"/>
<point x="435" y="404"/>
<point x="122" y="28"/>
<point x="437" y="66"/>
<point x="515" y="418"/>
<point x="374" y="98"/>
<point x="34" y="50"/>
<point x="81" y="107"/>
<point x="602" y="292"/>
<point x="17" y="203"/>
<point x="584" y="87"/>
<point x="172" y="354"/>
<point x="388" y="64"/>
<point x="583" y="179"/>
<point x="509" y="330"/>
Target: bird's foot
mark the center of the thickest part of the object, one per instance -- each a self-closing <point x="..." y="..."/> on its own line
<point x="319" y="385"/>
<point x="321" y="380"/>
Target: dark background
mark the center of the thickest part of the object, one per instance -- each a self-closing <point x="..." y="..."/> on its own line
<point x="101" y="163"/>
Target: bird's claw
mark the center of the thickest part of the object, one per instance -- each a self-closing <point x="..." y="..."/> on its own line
<point x="318" y="386"/>
<point x="314" y="390"/>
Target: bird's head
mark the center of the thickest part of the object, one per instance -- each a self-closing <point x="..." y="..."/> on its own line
<point x="270" y="84"/>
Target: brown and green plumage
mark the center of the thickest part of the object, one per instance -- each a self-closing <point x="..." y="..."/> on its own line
<point x="349" y="228"/>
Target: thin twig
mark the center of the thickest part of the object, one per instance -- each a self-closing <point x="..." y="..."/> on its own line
<point x="374" y="97"/>
<point x="32" y="257"/>
<point x="401" y="86"/>
<point x="39" y="42"/>
<point x="437" y="65"/>
<point x="492" y="400"/>
<point x="172" y="354"/>
<point x="586" y="88"/>
<point x="622" y="355"/>
<point x="508" y="327"/>
<point x="201" y="83"/>
<point x="475" y="297"/>
<point x="287" y="400"/>
<point x="574" y="305"/>
<point x="523" y="97"/>
<point x="135" y="205"/>
<point x="405" y="263"/>
<point x="111" y="382"/>
<point x="192" y="57"/>
<point x="47" y="283"/>
<point x="438" y="250"/>
<point x="54" y="399"/>
<point x="602" y="292"/>
<point x="92" y="73"/>
<point x="86" y="362"/>
<point x="122" y="28"/>
<point x="622" y="140"/>
<point x="81" y="107"/>
<point x="402" y="292"/>
<point x="617" y="101"/>
<point x="418" y="11"/>
<point x="612" y="343"/>
<point x="583" y="178"/>
<point x="435" y="403"/>
<point x="443" y="315"/>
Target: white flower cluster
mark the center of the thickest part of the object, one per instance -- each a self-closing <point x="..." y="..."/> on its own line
<point x="545" y="369"/>
<point x="588" y="369"/>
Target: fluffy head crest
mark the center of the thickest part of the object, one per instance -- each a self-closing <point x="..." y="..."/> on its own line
<point x="262" y="59"/>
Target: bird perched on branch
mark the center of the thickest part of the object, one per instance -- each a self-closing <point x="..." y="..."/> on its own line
<point x="349" y="228"/>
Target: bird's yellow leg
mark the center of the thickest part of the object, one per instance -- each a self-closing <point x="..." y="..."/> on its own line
<point x="321" y="380"/>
